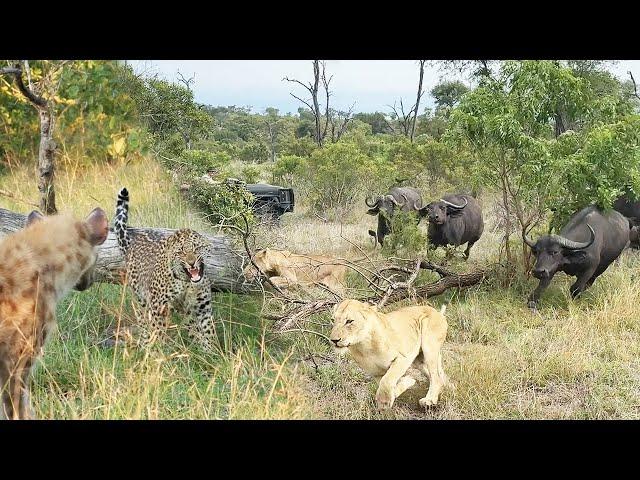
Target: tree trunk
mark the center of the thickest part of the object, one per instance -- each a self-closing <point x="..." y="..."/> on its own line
<point x="419" y="96"/>
<point x="561" y="123"/>
<point x="47" y="145"/>
<point x="223" y="264"/>
<point x="46" y="162"/>
<point x="505" y="202"/>
<point x="314" y="95"/>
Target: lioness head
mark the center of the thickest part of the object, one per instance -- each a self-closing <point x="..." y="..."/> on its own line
<point x="352" y="322"/>
<point x="261" y="258"/>
<point x="269" y="262"/>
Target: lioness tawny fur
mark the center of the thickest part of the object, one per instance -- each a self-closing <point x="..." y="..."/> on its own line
<point x="387" y="345"/>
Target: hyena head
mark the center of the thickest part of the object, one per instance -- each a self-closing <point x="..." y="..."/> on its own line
<point x="72" y="246"/>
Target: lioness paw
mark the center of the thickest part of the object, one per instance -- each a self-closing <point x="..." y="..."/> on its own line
<point x="384" y="400"/>
<point x="427" y="402"/>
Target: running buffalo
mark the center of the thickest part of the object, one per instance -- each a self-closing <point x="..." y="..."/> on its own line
<point x="453" y="220"/>
<point x="585" y="247"/>
<point x="404" y="198"/>
<point x="631" y="210"/>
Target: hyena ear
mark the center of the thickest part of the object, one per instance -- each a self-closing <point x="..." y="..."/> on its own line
<point x="98" y="224"/>
<point x="34" y="217"/>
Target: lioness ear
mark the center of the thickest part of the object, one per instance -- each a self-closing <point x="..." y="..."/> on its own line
<point x="98" y="226"/>
<point x="34" y="217"/>
<point x="335" y="308"/>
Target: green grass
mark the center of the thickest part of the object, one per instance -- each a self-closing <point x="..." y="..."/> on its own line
<point x="79" y="378"/>
<point x="573" y="359"/>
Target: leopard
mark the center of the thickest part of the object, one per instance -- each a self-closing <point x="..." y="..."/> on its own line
<point x="166" y="273"/>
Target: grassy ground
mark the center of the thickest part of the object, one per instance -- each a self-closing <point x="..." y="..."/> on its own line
<point x="79" y="379"/>
<point x="573" y="359"/>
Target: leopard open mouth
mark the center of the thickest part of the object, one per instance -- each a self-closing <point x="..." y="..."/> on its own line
<point x="195" y="274"/>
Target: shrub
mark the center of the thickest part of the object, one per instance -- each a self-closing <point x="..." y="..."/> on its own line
<point x="288" y="169"/>
<point x="334" y="178"/>
<point x="250" y="174"/>
<point x="406" y="238"/>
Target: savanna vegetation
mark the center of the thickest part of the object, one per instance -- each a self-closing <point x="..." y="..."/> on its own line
<point x="534" y="141"/>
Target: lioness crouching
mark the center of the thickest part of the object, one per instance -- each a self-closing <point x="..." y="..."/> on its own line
<point x="388" y="345"/>
<point x="285" y="269"/>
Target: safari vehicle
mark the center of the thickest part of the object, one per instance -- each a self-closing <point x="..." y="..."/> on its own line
<point x="269" y="200"/>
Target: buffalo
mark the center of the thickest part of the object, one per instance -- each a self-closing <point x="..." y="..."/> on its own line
<point x="585" y="247"/>
<point x="631" y="210"/>
<point x="404" y="198"/>
<point x="453" y="220"/>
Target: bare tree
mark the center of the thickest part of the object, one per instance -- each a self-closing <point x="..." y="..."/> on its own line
<point x="312" y="88"/>
<point x="418" y="97"/>
<point x="337" y="119"/>
<point x="635" y="88"/>
<point x="186" y="81"/>
<point x="185" y="132"/>
<point x="39" y="96"/>
<point x="273" y="128"/>
<point x="403" y="119"/>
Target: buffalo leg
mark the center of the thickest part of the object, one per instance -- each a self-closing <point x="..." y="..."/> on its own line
<point x="535" y="295"/>
<point x="469" y="245"/>
<point x="583" y="281"/>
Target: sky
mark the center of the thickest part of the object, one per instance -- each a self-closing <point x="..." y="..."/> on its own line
<point x="372" y="85"/>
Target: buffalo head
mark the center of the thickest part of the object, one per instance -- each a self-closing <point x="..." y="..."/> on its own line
<point x="385" y="203"/>
<point x="438" y="212"/>
<point x="554" y="251"/>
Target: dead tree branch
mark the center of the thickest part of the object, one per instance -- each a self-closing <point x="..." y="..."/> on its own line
<point x="635" y="88"/>
<point x="395" y="292"/>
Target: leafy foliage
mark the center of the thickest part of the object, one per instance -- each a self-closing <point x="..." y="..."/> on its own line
<point x="406" y="238"/>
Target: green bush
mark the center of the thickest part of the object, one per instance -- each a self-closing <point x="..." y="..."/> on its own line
<point x="224" y="203"/>
<point x="406" y="238"/>
<point x="334" y="178"/>
<point x="250" y="174"/>
<point x="254" y="152"/>
<point x="288" y="169"/>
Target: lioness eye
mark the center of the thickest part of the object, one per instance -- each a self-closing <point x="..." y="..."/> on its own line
<point x="348" y="322"/>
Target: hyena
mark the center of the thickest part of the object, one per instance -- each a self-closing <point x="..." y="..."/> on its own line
<point x="39" y="265"/>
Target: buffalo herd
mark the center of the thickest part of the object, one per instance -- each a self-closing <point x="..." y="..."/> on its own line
<point x="585" y="247"/>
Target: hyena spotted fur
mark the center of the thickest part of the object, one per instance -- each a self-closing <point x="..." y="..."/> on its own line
<point x="167" y="274"/>
<point x="39" y="265"/>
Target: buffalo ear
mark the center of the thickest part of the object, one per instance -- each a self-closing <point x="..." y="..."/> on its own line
<point x="373" y="211"/>
<point x="454" y="211"/>
<point x="34" y="217"/>
<point x="576" y="255"/>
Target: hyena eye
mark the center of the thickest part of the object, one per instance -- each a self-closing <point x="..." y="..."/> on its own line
<point x="348" y="322"/>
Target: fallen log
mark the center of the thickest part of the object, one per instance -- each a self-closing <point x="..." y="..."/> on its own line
<point x="223" y="263"/>
<point x="450" y="279"/>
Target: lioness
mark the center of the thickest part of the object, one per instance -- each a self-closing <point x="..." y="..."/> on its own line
<point x="388" y="345"/>
<point x="285" y="268"/>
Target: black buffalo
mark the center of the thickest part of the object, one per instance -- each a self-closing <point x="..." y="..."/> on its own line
<point x="631" y="210"/>
<point x="585" y="247"/>
<point x="404" y="198"/>
<point x="454" y="220"/>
